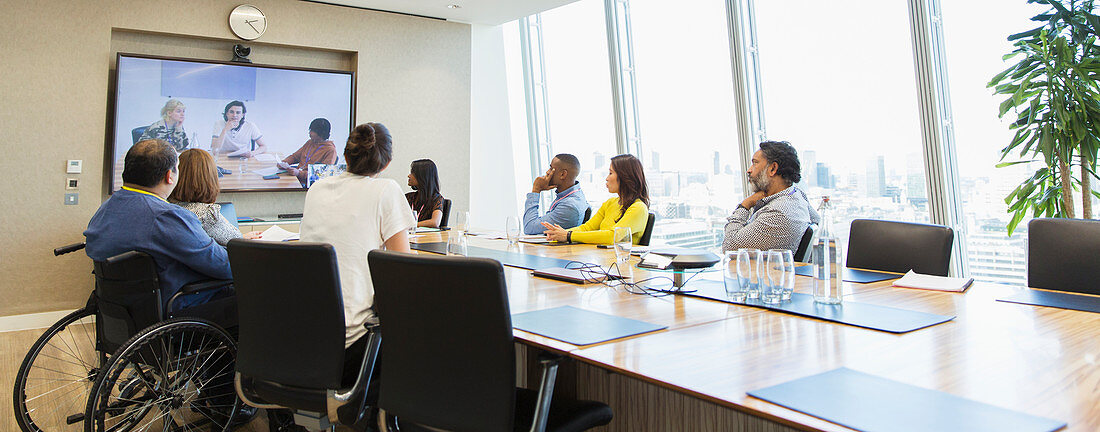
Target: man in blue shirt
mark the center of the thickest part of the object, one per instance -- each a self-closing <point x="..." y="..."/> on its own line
<point x="139" y="217"/>
<point x="569" y="204"/>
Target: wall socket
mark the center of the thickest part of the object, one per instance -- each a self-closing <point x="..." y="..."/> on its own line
<point x="72" y="199"/>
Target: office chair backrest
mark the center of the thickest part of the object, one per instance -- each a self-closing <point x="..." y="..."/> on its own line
<point x="587" y="214"/>
<point x="900" y="246"/>
<point x="648" y="233"/>
<point x="1061" y="255"/>
<point x="137" y="132"/>
<point x="448" y="359"/>
<point x="291" y="328"/>
<point x="446" y="213"/>
<point x="229" y="212"/>
<point x="801" y="255"/>
<point x="128" y="296"/>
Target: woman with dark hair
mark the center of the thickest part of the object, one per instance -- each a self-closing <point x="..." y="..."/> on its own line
<point x="425" y="198"/>
<point x="356" y="212"/>
<point x="196" y="190"/>
<point x="235" y="137"/>
<point x="629" y="209"/>
<point x="317" y="150"/>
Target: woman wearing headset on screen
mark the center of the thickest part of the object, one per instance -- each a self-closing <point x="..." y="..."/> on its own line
<point x="233" y="136"/>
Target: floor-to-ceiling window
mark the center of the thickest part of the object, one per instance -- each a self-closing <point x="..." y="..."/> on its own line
<point x="838" y="83"/>
<point x="973" y="58"/>
<point x="685" y="104"/>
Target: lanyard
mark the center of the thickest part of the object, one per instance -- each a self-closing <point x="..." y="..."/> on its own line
<point x="308" y="156"/>
<point x="559" y="199"/>
<point x="144" y="192"/>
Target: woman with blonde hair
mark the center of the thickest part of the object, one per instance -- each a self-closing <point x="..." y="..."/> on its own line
<point x="170" y="126"/>
<point x="196" y="190"/>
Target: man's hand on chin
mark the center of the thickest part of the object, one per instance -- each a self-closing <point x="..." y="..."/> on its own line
<point x="752" y="200"/>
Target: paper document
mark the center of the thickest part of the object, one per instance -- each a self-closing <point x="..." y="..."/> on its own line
<point x="264" y="157"/>
<point x="266" y="171"/>
<point x="930" y="282"/>
<point x="278" y="234"/>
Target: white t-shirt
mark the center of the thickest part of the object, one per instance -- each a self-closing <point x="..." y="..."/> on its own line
<point x="355" y="214"/>
<point x="237" y="141"/>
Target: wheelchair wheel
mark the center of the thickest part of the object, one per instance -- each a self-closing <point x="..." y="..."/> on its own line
<point x="56" y="376"/>
<point x="176" y="375"/>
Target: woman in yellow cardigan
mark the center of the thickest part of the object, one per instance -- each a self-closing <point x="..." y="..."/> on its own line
<point x="629" y="209"/>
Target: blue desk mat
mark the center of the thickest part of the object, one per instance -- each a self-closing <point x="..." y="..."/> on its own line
<point x="864" y="315"/>
<point x="869" y="403"/>
<point x="1059" y="300"/>
<point x="578" y="326"/>
<point x="511" y="259"/>
<point x="852" y="275"/>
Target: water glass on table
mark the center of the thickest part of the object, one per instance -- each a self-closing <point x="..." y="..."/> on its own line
<point x="775" y="276"/>
<point x="511" y="230"/>
<point x="748" y="271"/>
<point x="735" y="290"/>
<point x="456" y="244"/>
<point x="623" y="239"/>
<point x="789" y="272"/>
<point x="463" y="223"/>
<point x="416" y="219"/>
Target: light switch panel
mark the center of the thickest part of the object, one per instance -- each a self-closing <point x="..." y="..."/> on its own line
<point x="72" y="199"/>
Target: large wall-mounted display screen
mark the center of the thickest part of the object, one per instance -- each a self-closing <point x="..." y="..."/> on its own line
<point x="268" y="128"/>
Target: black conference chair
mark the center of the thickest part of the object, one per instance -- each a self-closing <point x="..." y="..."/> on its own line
<point x="648" y="233"/>
<point x="801" y="254"/>
<point x="449" y="357"/>
<point x="1061" y="255"/>
<point x="137" y="132"/>
<point x="587" y="215"/>
<point x="446" y="213"/>
<point x="900" y="246"/>
<point x="291" y="344"/>
<point x="229" y="212"/>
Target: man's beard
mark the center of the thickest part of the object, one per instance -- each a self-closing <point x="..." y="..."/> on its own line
<point x="760" y="183"/>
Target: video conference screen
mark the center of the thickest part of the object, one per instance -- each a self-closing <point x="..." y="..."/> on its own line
<point x="267" y="128"/>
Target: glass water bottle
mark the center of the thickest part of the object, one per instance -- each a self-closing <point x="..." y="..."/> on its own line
<point x="828" y="259"/>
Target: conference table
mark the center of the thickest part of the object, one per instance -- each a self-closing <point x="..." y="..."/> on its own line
<point x="251" y="178"/>
<point x="695" y="374"/>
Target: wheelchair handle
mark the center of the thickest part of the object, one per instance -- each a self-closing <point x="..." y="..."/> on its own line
<point x="67" y="249"/>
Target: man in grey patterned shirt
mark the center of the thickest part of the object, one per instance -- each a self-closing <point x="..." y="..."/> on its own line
<point x="777" y="213"/>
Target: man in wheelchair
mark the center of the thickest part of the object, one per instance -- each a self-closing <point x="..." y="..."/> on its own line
<point x="139" y="218"/>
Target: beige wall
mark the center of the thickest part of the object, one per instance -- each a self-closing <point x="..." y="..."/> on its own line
<point x="413" y="75"/>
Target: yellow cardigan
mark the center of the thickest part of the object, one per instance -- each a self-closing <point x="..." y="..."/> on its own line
<point x="601" y="227"/>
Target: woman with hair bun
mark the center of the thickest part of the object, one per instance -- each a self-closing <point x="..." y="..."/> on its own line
<point x="630" y="208"/>
<point x="356" y="212"/>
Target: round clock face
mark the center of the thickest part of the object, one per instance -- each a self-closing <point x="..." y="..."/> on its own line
<point x="247" y="22"/>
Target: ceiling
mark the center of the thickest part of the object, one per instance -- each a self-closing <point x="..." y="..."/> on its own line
<point x="489" y="12"/>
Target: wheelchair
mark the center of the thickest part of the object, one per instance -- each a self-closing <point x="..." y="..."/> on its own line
<point x="125" y="363"/>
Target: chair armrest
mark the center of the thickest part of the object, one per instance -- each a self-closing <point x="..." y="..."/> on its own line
<point x="339" y="398"/>
<point x="549" y="364"/>
<point x="198" y="287"/>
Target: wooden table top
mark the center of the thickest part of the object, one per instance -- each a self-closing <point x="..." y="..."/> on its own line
<point x="236" y="180"/>
<point x="1036" y="360"/>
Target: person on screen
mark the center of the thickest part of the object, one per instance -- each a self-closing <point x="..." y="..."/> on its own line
<point x="139" y="217"/>
<point x="357" y="212"/>
<point x="196" y="190"/>
<point x="569" y="204"/>
<point x="425" y="198"/>
<point x="317" y="150"/>
<point x="777" y="213"/>
<point x="630" y="208"/>
<point x="170" y="126"/>
<point x="235" y="137"/>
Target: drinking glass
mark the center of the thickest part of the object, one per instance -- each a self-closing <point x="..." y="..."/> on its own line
<point x="463" y="223"/>
<point x="622" y="239"/>
<point x="748" y="271"/>
<point x="511" y="230"/>
<point x="789" y="271"/>
<point x="456" y="244"/>
<point x="775" y="276"/>
<point x="735" y="290"/>
<point x="416" y="218"/>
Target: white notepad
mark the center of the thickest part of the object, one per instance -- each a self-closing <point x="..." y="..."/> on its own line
<point x="930" y="282"/>
<point x="275" y="233"/>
